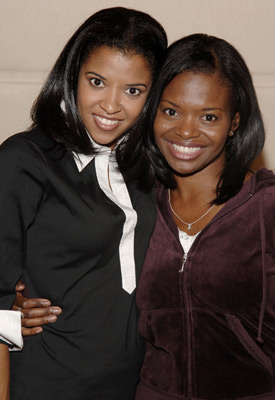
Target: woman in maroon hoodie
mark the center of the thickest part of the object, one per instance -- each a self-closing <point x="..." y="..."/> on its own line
<point x="207" y="293"/>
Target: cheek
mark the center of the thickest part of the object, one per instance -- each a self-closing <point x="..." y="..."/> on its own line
<point x="134" y="110"/>
<point x="84" y="97"/>
<point x="80" y="108"/>
<point x="220" y="138"/>
<point x="81" y="111"/>
<point x="217" y="134"/>
<point x="161" y="127"/>
<point x="159" y="143"/>
<point x="158" y="128"/>
<point x="80" y="102"/>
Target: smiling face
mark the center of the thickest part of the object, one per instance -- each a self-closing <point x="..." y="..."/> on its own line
<point x="193" y="122"/>
<point x="112" y="90"/>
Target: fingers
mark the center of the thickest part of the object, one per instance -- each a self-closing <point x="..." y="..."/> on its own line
<point x="25" y="303"/>
<point x="33" y="303"/>
<point x="35" y="314"/>
<point x="35" y="322"/>
<point x="19" y="286"/>
<point x="18" y="301"/>
<point x="31" y="331"/>
<point x="33" y="318"/>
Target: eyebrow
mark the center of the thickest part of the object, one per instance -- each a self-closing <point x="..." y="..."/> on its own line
<point x="212" y="109"/>
<point x="105" y="79"/>
<point x="204" y="109"/>
<point x="95" y="73"/>
<point x="170" y="102"/>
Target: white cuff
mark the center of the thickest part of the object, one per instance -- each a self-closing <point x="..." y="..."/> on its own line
<point x="10" y="328"/>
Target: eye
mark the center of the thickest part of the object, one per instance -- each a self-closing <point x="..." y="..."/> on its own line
<point x="133" y="91"/>
<point x="170" y="111"/>
<point x="97" y="82"/>
<point x="209" y="118"/>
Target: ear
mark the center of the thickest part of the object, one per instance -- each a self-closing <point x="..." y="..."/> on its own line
<point x="235" y="122"/>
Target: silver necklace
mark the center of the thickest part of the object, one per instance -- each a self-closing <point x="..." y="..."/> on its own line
<point x="186" y="223"/>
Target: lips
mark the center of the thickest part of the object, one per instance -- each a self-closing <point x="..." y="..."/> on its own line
<point x="106" y="124"/>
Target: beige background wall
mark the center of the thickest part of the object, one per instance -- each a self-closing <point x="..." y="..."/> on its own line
<point x="33" y="32"/>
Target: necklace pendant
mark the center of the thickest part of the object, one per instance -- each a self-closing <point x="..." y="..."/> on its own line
<point x="189" y="226"/>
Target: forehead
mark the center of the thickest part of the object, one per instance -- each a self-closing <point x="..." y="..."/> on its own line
<point x="106" y="60"/>
<point x="197" y="87"/>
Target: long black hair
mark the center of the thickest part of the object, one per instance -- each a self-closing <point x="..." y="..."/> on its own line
<point x="209" y="54"/>
<point x="55" y="110"/>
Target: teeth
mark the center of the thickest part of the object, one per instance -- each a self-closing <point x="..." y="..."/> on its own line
<point x="185" y="149"/>
<point x="106" y="121"/>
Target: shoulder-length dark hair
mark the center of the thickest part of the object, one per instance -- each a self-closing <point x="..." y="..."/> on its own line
<point x="55" y="110"/>
<point x="209" y="54"/>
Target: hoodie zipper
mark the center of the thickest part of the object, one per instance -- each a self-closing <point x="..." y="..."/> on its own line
<point x="187" y="308"/>
<point x="183" y="263"/>
<point x="186" y="315"/>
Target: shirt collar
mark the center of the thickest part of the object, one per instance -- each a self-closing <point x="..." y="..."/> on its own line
<point x="82" y="160"/>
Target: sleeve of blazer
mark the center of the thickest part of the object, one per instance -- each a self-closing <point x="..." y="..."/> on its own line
<point x="21" y="192"/>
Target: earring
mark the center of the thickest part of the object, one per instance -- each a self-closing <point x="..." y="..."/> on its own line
<point x="231" y="133"/>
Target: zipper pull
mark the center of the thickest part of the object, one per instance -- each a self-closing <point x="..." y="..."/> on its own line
<point x="183" y="263"/>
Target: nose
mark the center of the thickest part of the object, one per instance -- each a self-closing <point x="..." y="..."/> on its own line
<point x="186" y="128"/>
<point x="110" y="103"/>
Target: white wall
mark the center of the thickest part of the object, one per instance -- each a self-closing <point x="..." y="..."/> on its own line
<point x="33" y="32"/>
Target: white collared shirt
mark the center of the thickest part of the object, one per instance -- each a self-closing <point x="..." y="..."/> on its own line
<point x="112" y="184"/>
